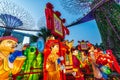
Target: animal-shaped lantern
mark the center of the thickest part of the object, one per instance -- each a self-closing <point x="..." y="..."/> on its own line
<point x="11" y="61"/>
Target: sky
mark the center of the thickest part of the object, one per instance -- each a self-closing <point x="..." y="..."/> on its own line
<point x="85" y="31"/>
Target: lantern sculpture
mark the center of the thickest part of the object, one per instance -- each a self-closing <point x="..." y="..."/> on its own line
<point x="54" y="22"/>
<point x="53" y="54"/>
<point x="9" y="63"/>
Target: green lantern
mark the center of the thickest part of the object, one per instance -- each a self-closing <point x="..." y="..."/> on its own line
<point x="106" y="70"/>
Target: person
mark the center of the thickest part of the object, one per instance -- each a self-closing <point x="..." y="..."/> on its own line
<point x="77" y="73"/>
<point x="52" y="66"/>
<point x="96" y="71"/>
<point x="9" y="63"/>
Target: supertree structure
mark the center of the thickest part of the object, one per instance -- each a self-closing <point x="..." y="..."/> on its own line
<point x="76" y="6"/>
<point x="108" y="20"/>
<point x="12" y="16"/>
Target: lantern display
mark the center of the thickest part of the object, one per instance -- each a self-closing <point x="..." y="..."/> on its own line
<point x="54" y="22"/>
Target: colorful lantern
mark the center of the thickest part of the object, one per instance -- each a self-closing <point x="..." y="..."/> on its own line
<point x="54" y="22"/>
<point x="105" y="70"/>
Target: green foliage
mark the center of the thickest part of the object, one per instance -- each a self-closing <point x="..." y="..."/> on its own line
<point x="44" y="33"/>
<point x="112" y="11"/>
<point x="33" y="38"/>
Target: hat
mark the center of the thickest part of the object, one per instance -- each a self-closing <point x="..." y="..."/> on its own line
<point x="8" y="37"/>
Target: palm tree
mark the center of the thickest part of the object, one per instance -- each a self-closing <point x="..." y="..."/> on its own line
<point x="44" y="33"/>
<point x="33" y="38"/>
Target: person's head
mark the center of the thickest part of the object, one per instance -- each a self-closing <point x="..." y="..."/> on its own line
<point x="51" y="37"/>
<point x="8" y="43"/>
<point x="74" y="51"/>
<point x="55" y="47"/>
<point x="92" y="47"/>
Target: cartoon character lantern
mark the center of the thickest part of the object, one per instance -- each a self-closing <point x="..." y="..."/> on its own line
<point x="9" y="63"/>
<point x="77" y="73"/>
<point x="53" y="61"/>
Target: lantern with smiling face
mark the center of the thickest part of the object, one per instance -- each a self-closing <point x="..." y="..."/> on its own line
<point x="7" y="46"/>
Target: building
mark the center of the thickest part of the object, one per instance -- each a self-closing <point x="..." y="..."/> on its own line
<point x="19" y="35"/>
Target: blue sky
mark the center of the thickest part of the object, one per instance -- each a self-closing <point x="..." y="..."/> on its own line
<point x="85" y="31"/>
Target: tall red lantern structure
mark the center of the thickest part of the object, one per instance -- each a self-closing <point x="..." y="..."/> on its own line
<point x="55" y="23"/>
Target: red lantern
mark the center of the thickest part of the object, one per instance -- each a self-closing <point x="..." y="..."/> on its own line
<point x="55" y="23"/>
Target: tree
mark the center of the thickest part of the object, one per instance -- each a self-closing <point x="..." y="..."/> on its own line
<point x="76" y="6"/>
<point x="44" y="33"/>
